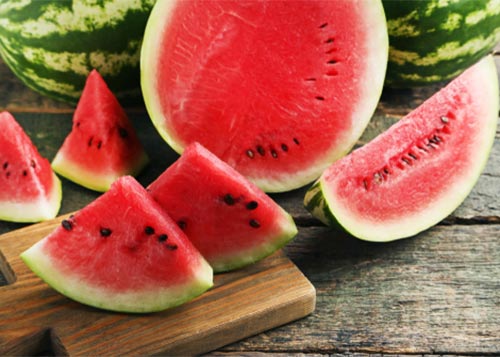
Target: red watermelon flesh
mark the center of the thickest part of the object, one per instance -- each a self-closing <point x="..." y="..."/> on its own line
<point x="230" y="220"/>
<point x="103" y="144"/>
<point x="418" y="171"/>
<point x="121" y="253"/>
<point x="29" y="189"/>
<point x="277" y="89"/>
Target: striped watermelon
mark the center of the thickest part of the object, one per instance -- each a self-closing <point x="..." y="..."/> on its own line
<point x="52" y="45"/>
<point x="435" y="40"/>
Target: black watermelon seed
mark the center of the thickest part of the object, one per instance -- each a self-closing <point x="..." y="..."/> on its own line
<point x="182" y="224"/>
<point x="261" y="150"/>
<point x="250" y="153"/>
<point x="284" y="147"/>
<point x="171" y="246"/>
<point x="67" y="225"/>
<point x="25" y="173"/>
<point x="229" y="199"/>
<point x="77" y="124"/>
<point x="162" y="237"/>
<point x="330" y="40"/>
<point x="252" y="205"/>
<point x="323" y="25"/>
<point x="33" y="164"/>
<point x="254" y="223"/>
<point x="296" y="141"/>
<point x="5" y="165"/>
<point x="319" y="97"/>
<point x="105" y="232"/>
<point x="123" y="132"/>
<point x="99" y="144"/>
<point x="149" y="230"/>
<point x="89" y="143"/>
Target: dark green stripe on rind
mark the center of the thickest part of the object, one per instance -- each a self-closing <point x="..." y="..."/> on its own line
<point x="315" y="203"/>
<point x="429" y="43"/>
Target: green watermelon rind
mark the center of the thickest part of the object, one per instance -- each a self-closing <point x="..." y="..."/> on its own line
<point x="273" y="243"/>
<point x="131" y="302"/>
<point x="370" y="90"/>
<point x="43" y="209"/>
<point x="54" y="60"/>
<point x="97" y="181"/>
<point x="323" y="205"/>
<point x="432" y="43"/>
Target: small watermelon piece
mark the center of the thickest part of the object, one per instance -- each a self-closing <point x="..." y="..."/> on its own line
<point x="277" y="89"/>
<point x="230" y="220"/>
<point x="29" y="189"/>
<point x="102" y="144"/>
<point x="421" y="169"/>
<point x="434" y="40"/>
<point x="121" y="253"/>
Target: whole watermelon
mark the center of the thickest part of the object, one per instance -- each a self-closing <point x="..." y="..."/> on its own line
<point x="52" y="45"/>
<point x="435" y="40"/>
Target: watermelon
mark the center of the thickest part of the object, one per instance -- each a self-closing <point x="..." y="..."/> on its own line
<point x="276" y="89"/>
<point x="435" y="40"/>
<point x="418" y="171"/>
<point x="52" y="45"/>
<point x="102" y="144"/>
<point x="30" y="191"/>
<point x="121" y="253"/>
<point x="230" y="220"/>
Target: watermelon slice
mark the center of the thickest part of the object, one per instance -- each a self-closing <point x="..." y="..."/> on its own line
<point x="230" y="220"/>
<point x="103" y="144"/>
<point x="277" y="89"/>
<point x="29" y="189"/>
<point x="121" y="253"/>
<point x="418" y="171"/>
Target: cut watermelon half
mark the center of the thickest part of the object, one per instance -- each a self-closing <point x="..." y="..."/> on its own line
<point x="121" y="253"/>
<point x="277" y="89"/>
<point x="418" y="171"/>
<point x="230" y="220"/>
<point x="103" y="144"/>
<point x="29" y="189"/>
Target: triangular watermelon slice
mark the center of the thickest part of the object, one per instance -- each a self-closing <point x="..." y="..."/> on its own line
<point x="230" y="220"/>
<point x="420" y="170"/>
<point x="103" y="144"/>
<point x="29" y="189"/>
<point x="121" y="253"/>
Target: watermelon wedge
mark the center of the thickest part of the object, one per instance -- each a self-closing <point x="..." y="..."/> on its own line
<point x="418" y="171"/>
<point x="230" y="220"/>
<point x="121" y="253"/>
<point x="29" y="189"/>
<point x="102" y="144"/>
<point x="277" y="89"/>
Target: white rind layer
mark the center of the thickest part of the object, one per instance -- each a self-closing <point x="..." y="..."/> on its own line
<point x="135" y="300"/>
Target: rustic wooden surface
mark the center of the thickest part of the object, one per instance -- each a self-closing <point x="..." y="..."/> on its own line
<point x="434" y="294"/>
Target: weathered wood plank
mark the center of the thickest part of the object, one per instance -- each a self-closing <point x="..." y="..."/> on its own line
<point x="433" y="294"/>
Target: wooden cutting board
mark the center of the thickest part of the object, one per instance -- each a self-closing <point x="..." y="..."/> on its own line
<point x="35" y="318"/>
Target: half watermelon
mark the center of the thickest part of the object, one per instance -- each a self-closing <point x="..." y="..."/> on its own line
<point x="121" y="253"/>
<point x="102" y="144"/>
<point x="418" y="171"/>
<point x="277" y="89"/>
<point x="29" y="189"/>
<point x="230" y="220"/>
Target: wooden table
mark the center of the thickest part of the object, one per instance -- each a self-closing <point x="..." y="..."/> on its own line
<point x="435" y="294"/>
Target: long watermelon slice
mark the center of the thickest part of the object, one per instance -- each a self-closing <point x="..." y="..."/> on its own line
<point x="277" y="89"/>
<point x="29" y="189"/>
<point x="418" y="171"/>
<point x="230" y="220"/>
<point x="121" y="253"/>
<point x="102" y="144"/>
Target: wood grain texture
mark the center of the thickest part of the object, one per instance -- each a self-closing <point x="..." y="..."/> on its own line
<point x="241" y="303"/>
